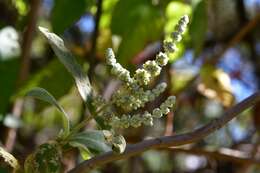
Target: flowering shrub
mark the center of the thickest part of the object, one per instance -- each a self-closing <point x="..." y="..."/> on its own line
<point x="111" y="115"/>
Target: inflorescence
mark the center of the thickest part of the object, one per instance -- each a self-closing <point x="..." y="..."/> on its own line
<point x="133" y="94"/>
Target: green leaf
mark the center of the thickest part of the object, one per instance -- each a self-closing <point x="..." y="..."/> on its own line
<point x="84" y="152"/>
<point x="46" y="159"/>
<point x="44" y="95"/>
<point x="198" y="27"/>
<point x="9" y="159"/>
<point x="69" y="62"/>
<point x="73" y="11"/>
<point x="8" y="75"/>
<point x="133" y="20"/>
<point x="94" y="140"/>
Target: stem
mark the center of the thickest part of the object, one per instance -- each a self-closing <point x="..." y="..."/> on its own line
<point x="169" y="141"/>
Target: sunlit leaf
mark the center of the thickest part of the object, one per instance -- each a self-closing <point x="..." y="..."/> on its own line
<point x="44" y="95"/>
<point x="69" y="62"/>
<point x="216" y="84"/>
<point x="94" y="140"/>
<point x="9" y="159"/>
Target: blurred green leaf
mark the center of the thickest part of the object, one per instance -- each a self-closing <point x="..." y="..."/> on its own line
<point x="44" y="95"/>
<point x="66" y="12"/>
<point x="69" y="62"/>
<point x="94" y="140"/>
<point x="198" y="27"/>
<point x="138" y="23"/>
<point x="8" y="76"/>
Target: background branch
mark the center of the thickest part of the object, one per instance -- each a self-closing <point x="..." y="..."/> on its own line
<point x="24" y="69"/>
<point x="169" y="141"/>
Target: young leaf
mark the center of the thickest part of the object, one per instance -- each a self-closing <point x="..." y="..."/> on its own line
<point x="9" y="159"/>
<point x="84" y="152"/>
<point x="94" y="140"/>
<point x="44" y="95"/>
<point x="69" y="62"/>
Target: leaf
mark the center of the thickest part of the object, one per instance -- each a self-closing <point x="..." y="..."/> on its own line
<point x="94" y="140"/>
<point x="44" y="95"/>
<point x="84" y="152"/>
<point x="198" y="27"/>
<point x="133" y="20"/>
<point x="73" y="12"/>
<point x="9" y="159"/>
<point x="69" y="62"/>
<point x="46" y="159"/>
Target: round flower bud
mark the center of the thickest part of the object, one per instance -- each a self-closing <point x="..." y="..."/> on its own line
<point x="142" y="76"/>
<point x="152" y="68"/>
<point x="147" y="119"/>
<point x="184" y="19"/>
<point x="110" y="56"/>
<point x="157" y="113"/>
<point x="169" y="46"/>
<point x="161" y="59"/>
<point x="176" y="36"/>
<point x="124" y="121"/>
<point x="170" y="101"/>
<point x="135" y="121"/>
<point x="164" y="108"/>
<point x="115" y="122"/>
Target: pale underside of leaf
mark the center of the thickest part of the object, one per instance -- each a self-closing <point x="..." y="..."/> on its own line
<point x="69" y="62"/>
<point x="93" y="139"/>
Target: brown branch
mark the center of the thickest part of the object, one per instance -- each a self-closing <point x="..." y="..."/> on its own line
<point x="24" y="68"/>
<point x="226" y="154"/>
<point x="169" y="141"/>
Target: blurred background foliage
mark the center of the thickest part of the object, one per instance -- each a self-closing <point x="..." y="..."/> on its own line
<point x="217" y="65"/>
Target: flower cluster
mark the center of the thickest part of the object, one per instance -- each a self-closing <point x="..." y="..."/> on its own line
<point x="146" y="118"/>
<point x="134" y="92"/>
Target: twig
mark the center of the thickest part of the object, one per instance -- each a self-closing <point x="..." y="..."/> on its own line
<point x="226" y="154"/>
<point x="169" y="141"/>
<point x="24" y="69"/>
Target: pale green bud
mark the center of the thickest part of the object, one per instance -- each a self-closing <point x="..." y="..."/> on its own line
<point x="147" y="119"/>
<point x="152" y="68"/>
<point x="176" y="36"/>
<point x="110" y="56"/>
<point x="169" y="46"/>
<point x="161" y="59"/>
<point x="136" y="121"/>
<point x="125" y="121"/>
<point x="142" y="77"/>
<point x="157" y="113"/>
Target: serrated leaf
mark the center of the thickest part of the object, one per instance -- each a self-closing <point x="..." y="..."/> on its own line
<point x="44" y="95"/>
<point x="9" y="159"/>
<point x="69" y="62"/>
<point x="94" y="140"/>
